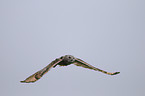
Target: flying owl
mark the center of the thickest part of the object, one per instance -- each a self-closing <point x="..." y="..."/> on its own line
<point x="63" y="61"/>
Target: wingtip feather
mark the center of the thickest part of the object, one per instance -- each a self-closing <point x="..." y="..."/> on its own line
<point x="22" y="81"/>
<point x="115" y="73"/>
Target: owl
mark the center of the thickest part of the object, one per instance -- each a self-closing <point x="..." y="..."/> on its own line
<point x="63" y="61"/>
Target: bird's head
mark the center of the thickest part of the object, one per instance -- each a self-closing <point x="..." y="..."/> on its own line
<point x="69" y="58"/>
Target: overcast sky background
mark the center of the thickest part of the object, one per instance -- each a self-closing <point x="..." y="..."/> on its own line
<point x="108" y="34"/>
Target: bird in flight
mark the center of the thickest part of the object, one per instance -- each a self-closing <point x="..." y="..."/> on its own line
<point x="63" y="61"/>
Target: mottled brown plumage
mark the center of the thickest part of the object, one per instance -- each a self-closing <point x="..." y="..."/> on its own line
<point x="63" y="61"/>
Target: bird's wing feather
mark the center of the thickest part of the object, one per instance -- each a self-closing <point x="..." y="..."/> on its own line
<point x="36" y="76"/>
<point x="82" y="63"/>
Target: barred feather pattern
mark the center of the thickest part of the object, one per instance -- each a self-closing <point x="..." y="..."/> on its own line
<point x="82" y="63"/>
<point x="36" y="76"/>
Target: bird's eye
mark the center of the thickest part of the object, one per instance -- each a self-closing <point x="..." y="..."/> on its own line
<point x="69" y="57"/>
<point x="61" y="57"/>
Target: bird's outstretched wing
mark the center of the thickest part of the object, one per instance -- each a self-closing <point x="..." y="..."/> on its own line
<point x="82" y="63"/>
<point x="36" y="76"/>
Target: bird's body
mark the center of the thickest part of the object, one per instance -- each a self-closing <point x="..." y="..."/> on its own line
<point x="63" y="61"/>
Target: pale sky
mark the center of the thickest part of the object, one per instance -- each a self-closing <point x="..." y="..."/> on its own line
<point x="108" y="34"/>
